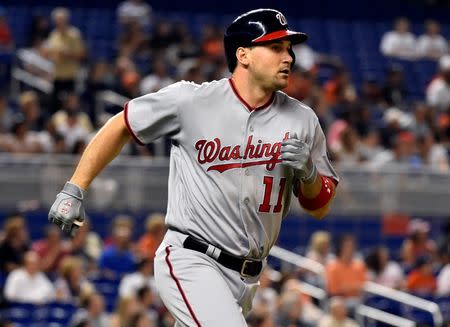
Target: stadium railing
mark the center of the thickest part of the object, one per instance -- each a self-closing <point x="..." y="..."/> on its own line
<point x="362" y="191"/>
<point x="369" y="288"/>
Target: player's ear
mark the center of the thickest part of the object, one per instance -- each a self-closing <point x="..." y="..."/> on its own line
<point x="242" y="55"/>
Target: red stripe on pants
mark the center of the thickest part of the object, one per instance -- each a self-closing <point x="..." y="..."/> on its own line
<point x="172" y="274"/>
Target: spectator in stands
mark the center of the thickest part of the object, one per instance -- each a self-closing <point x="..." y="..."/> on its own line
<point x="305" y="57"/>
<point x="423" y="120"/>
<point x="15" y="243"/>
<point x="72" y="123"/>
<point x="126" y="308"/>
<point x="339" y="92"/>
<point x="290" y="310"/>
<point x="338" y="315"/>
<point x="86" y="244"/>
<point x="141" y="319"/>
<point x="394" y="89"/>
<point x="301" y="85"/>
<point x="52" y="141"/>
<point x="259" y="317"/>
<point x="421" y="280"/>
<point x="6" y="115"/>
<point x="400" y="42"/>
<point x="212" y="42"/>
<point x="31" y="110"/>
<point x="403" y="152"/>
<point x="92" y="309"/>
<point x="134" y="42"/>
<point x="266" y="296"/>
<point x="155" y="231"/>
<point x="131" y="11"/>
<point x="71" y="283"/>
<point x="162" y="37"/>
<point x="146" y="297"/>
<point x="347" y="151"/>
<point x="131" y="283"/>
<point x="117" y="258"/>
<point x="310" y="313"/>
<point x="418" y="241"/>
<point x="443" y="278"/>
<point x="444" y="237"/>
<point x="6" y="323"/>
<point x="39" y="30"/>
<point x="129" y="84"/>
<point x="187" y="48"/>
<point x="51" y="249"/>
<point x="431" y="44"/>
<point x="319" y="248"/>
<point x="372" y="99"/>
<point x="394" y="122"/>
<point x="65" y="47"/>
<point x="100" y="78"/>
<point x="370" y="145"/>
<point x="434" y="156"/>
<point x="29" y="284"/>
<point x="6" y="37"/>
<point x="21" y="139"/>
<point x="438" y="91"/>
<point x="383" y="271"/>
<point x="157" y="79"/>
<point x="346" y="275"/>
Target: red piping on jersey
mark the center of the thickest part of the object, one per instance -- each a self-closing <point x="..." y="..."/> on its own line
<point x="180" y="288"/>
<point x="249" y="107"/>
<point x="125" y="116"/>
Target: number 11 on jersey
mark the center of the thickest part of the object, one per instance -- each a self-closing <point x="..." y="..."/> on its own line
<point x="268" y="183"/>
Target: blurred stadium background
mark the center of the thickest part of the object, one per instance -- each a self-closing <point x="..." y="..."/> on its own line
<point x="379" y="85"/>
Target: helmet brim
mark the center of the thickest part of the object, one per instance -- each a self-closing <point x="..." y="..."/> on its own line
<point x="294" y="37"/>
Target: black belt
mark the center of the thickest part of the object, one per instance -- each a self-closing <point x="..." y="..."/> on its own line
<point x="246" y="267"/>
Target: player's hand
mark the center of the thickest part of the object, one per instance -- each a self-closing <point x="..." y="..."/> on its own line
<point x="295" y="153"/>
<point x="67" y="211"/>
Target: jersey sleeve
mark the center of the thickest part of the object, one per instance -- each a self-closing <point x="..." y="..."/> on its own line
<point x="319" y="154"/>
<point x="156" y="114"/>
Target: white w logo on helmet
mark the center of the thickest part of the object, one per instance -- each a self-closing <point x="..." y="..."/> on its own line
<point x="281" y="19"/>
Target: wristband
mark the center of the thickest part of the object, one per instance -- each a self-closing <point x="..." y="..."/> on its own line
<point x="322" y="199"/>
<point x="74" y="190"/>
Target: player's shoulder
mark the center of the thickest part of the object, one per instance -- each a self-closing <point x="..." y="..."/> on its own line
<point x="291" y="104"/>
<point x="195" y="86"/>
<point x="205" y="88"/>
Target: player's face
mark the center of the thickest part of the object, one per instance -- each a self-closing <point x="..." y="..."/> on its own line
<point x="270" y="64"/>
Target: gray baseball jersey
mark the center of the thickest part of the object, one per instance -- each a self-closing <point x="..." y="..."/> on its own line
<point x="227" y="185"/>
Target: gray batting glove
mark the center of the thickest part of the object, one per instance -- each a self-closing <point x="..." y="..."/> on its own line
<point x="296" y="154"/>
<point x="67" y="211"/>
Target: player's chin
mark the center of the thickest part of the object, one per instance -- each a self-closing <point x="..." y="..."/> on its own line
<point x="282" y="82"/>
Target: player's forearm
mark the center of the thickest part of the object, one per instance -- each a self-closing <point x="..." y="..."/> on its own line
<point x="311" y="190"/>
<point x="103" y="148"/>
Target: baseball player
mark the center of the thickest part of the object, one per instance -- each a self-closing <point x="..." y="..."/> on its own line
<point x="240" y="148"/>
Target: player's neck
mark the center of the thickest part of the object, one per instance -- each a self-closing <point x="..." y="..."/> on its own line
<point x="253" y="94"/>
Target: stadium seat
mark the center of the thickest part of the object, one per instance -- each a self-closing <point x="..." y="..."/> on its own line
<point x="109" y="288"/>
<point x="60" y="313"/>
<point x="444" y="305"/>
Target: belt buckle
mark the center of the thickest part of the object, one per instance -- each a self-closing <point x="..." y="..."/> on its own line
<point x="244" y="265"/>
